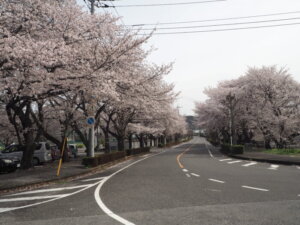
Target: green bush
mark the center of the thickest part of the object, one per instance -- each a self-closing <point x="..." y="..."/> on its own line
<point x="90" y="161"/>
<point x="160" y="145"/>
<point x="102" y="159"/>
<point x="283" y="151"/>
<point x="80" y="145"/>
<point x="136" y="151"/>
<point x="213" y="142"/>
<point x="232" y="149"/>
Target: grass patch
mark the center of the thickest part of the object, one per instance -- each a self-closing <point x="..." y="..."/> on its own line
<point x="283" y="151"/>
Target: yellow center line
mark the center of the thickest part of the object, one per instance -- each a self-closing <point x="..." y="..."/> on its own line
<point x="181" y="154"/>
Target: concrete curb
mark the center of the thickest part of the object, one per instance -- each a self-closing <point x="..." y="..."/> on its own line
<point x="275" y="161"/>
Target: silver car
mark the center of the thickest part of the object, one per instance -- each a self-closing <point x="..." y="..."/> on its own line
<point x="42" y="152"/>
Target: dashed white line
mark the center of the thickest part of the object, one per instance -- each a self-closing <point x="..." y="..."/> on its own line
<point x="218" y="181"/>
<point x="50" y="190"/>
<point x="185" y="170"/>
<point x="195" y="175"/>
<point x="273" y="167"/>
<point x="255" y="188"/>
<point x="215" y="190"/>
<point x="222" y="160"/>
<point x="92" y="179"/>
<point x="32" y="198"/>
<point x="250" y="164"/>
<point x="237" y="161"/>
<point x="188" y="175"/>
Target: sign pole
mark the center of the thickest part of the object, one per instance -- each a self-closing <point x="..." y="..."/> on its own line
<point x="91" y="123"/>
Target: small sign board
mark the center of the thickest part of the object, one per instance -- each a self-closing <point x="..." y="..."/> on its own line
<point x="90" y="120"/>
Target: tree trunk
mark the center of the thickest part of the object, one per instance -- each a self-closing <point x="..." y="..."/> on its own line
<point x="106" y="141"/>
<point x="121" y="146"/>
<point x="130" y="141"/>
<point x="141" y="140"/>
<point x="28" y="152"/>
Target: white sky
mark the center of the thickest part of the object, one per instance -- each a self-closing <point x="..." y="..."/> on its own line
<point x="204" y="59"/>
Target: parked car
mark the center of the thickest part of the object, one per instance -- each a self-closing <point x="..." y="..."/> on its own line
<point x="55" y="152"/>
<point x="41" y="154"/>
<point x="70" y="150"/>
<point x="73" y="150"/>
<point x="8" y="165"/>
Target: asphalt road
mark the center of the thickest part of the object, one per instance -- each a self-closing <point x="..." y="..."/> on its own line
<point x="190" y="184"/>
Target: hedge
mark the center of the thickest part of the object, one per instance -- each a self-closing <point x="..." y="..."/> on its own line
<point x="109" y="157"/>
<point x="102" y="159"/>
<point x="136" y="151"/>
<point x="213" y="142"/>
<point x="232" y="149"/>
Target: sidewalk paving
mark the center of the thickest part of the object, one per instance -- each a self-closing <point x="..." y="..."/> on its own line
<point x="270" y="158"/>
<point x="41" y="174"/>
<point x="45" y="174"/>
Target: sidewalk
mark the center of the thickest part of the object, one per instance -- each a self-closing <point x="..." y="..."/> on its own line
<point x="270" y="158"/>
<point x="46" y="174"/>
<point x="41" y="174"/>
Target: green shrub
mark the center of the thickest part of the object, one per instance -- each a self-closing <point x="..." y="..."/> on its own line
<point x="160" y="145"/>
<point x="136" y="151"/>
<point x="283" y="151"/>
<point x="102" y="159"/>
<point x="232" y="149"/>
<point x="213" y="142"/>
<point x="80" y="145"/>
<point x="90" y="161"/>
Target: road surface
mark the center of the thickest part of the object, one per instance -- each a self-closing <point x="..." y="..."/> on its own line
<point x="189" y="184"/>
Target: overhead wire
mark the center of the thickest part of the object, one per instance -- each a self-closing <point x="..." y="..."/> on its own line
<point x="169" y="4"/>
<point x="218" y="19"/>
<point x="222" y="24"/>
<point x="225" y="29"/>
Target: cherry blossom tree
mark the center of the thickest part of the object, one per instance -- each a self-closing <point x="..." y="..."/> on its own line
<point x="265" y="101"/>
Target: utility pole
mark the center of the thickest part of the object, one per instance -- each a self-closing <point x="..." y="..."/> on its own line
<point x="230" y="98"/>
<point x="90" y="120"/>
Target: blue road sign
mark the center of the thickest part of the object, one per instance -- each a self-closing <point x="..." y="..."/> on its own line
<point x="90" y="120"/>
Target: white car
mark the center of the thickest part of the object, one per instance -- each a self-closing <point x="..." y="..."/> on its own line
<point x="42" y="152"/>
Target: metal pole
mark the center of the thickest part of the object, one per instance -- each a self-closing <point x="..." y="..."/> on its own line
<point x="92" y="6"/>
<point x="91" y="152"/>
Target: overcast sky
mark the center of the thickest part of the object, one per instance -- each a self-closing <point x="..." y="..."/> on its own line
<point x="203" y="59"/>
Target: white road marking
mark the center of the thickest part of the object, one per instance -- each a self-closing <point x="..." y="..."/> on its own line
<point x="50" y="200"/>
<point x="273" y="167"/>
<point x="218" y="181"/>
<point x="101" y="204"/>
<point x="298" y="195"/>
<point x="6" y="209"/>
<point x="211" y="155"/>
<point x="50" y="190"/>
<point x="250" y="164"/>
<point x="215" y="190"/>
<point x="298" y="167"/>
<point x="221" y="160"/>
<point x="196" y="175"/>
<point x="92" y="179"/>
<point x="188" y="175"/>
<point x="32" y="198"/>
<point x="185" y="170"/>
<point x="237" y="161"/>
<point x="255" y="188"/>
